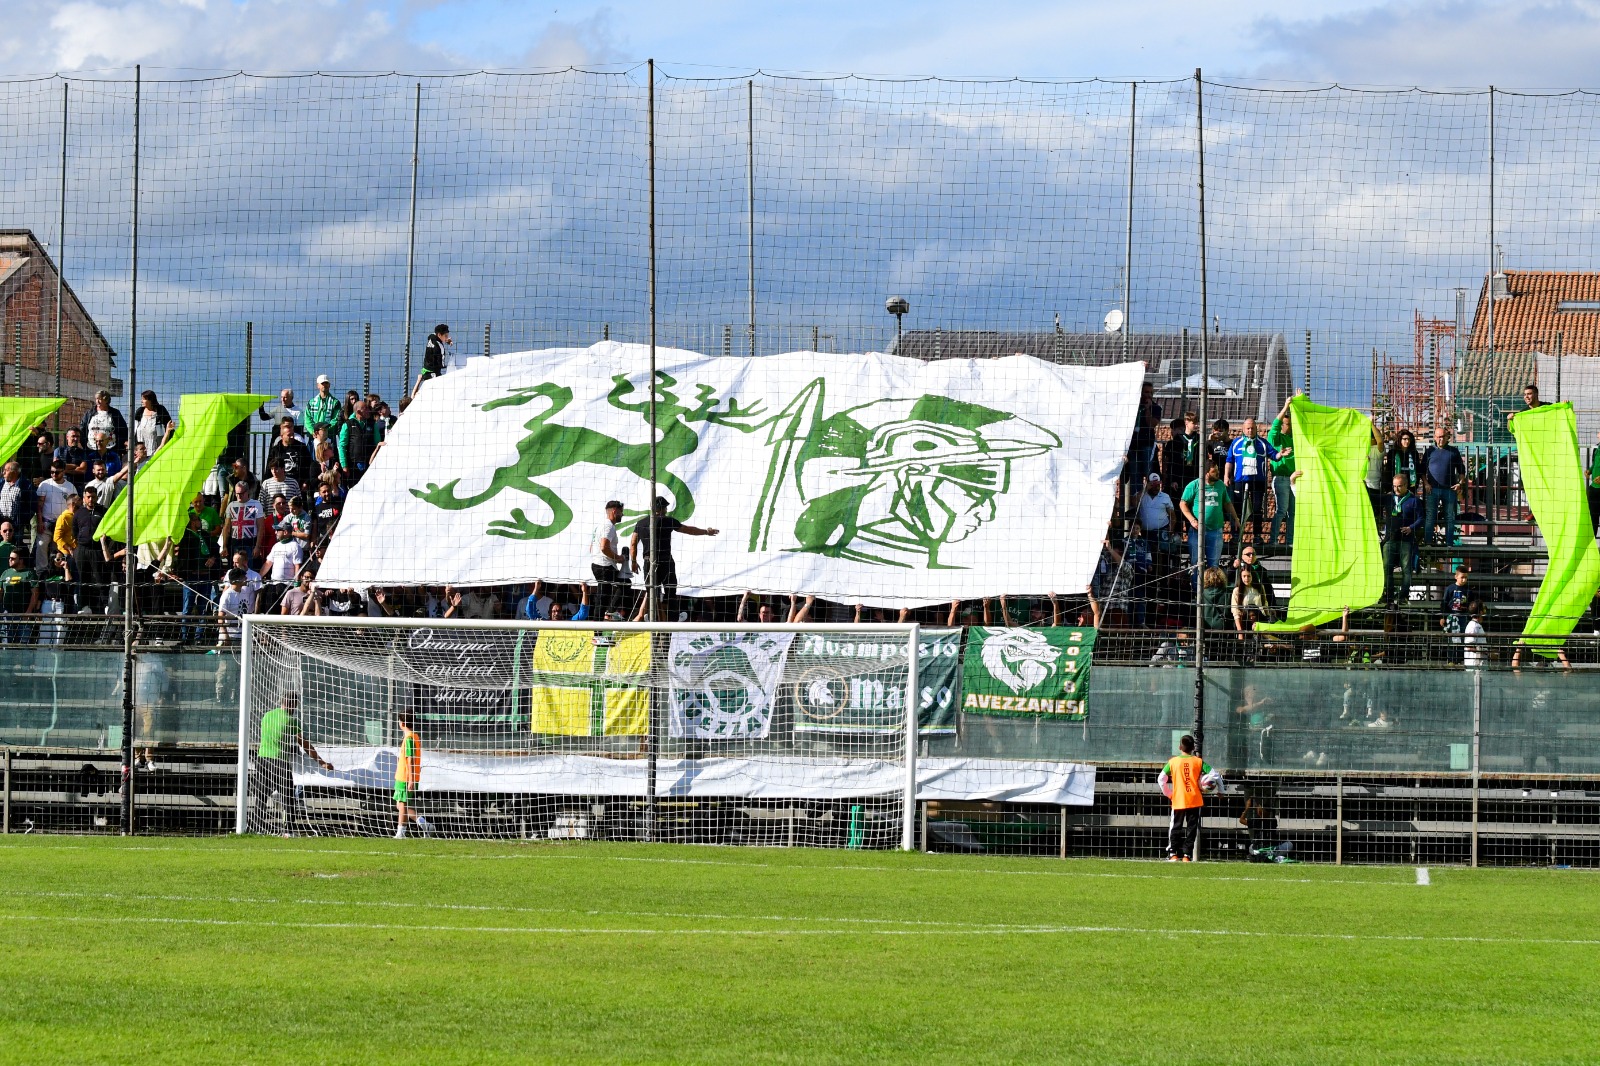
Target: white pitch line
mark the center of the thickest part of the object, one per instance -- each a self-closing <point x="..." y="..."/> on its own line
<point x="1422" y="876"/>
<point x="1175" y="876"/>
<point x="1040" y="930"/>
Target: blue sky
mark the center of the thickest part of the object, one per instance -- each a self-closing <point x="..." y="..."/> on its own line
<point x="1435" y="42"/>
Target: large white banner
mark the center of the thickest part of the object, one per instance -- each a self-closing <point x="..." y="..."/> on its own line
<point x="871" y="479"/>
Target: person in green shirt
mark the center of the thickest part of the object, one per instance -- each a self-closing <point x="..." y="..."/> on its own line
<point x="1281" y="437"/>
<point x="1594" y="487"/>
<point x="19" y="595"/>
<point x="280" y="737"/>
<point x="1217" y="509"/>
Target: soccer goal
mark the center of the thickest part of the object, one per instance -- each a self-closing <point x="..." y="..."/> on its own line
<point x="749" y="734"/>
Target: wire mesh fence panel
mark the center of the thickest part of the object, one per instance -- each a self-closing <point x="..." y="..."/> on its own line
<point x="695" y="735"/>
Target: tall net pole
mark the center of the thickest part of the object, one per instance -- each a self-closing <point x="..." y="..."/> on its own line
<point x="1127" y="257"/>
<point x="750" y="189"/>
<point x="653" y="587"/>
<point x="61" y="241"/>
<point x="130" y="553"/>
<point x="1199" y="729"/>
<point x="411" y="243"/>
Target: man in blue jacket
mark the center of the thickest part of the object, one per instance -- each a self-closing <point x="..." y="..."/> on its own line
<point x="1401" y="525"/>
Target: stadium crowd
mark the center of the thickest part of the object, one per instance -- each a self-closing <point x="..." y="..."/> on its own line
<point x="254" y="542"/>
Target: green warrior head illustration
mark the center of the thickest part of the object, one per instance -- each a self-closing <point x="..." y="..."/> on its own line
<point x="893" y="481"/>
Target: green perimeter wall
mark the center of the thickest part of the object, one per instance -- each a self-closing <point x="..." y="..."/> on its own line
<point x="1260" y="718"/>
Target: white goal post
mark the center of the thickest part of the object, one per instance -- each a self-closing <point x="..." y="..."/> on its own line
<point x="742" y="733"/>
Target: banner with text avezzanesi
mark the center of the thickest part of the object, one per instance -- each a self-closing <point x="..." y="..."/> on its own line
<point x="835" y="690"/>
<point x="1032" y="672"/>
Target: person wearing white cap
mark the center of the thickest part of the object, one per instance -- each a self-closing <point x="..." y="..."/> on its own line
<point x="323" y="408"/>
<point x="1156" y="511"/>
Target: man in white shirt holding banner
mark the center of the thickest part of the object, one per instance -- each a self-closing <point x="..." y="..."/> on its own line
<point x="606" y="562"/>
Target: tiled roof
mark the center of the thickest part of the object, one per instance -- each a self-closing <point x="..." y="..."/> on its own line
<point x="1480" y="375"/>
<point x="1528" y="319"/>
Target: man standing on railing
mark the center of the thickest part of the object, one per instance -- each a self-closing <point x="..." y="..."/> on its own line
<point x="1443" y="471"/>
<point x="1185" y="780"/>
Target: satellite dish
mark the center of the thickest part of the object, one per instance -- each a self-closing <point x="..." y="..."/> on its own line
<point x="1114" y="320"/>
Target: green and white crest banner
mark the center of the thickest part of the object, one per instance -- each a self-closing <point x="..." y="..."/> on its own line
<point x="725" y="685"/>
<point x="871" y="478"/>
<point x="1033" y="672"/>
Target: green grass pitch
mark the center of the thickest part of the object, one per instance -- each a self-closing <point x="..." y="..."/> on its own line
<point x="419" y="952"/>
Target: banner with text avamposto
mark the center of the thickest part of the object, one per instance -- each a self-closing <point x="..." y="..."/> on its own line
<point x="847" y="684"/>
<point x="873" y="479"/>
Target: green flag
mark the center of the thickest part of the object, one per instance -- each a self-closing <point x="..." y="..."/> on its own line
<point x="1033" y="672"/>
<point x="168" y="481"/>
<point x="1552" y="476"/>
<point x="1336" y="562"/>
<point x="19" y="415"/>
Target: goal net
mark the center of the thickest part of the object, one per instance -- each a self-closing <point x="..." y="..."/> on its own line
<point x="752" y="734"/>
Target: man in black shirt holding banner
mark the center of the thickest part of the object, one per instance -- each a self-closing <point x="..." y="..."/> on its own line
<point x="656" y="530"/>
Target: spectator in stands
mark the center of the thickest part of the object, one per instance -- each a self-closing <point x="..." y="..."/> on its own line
<point x="1443" y="471"/>
<point x="1157" y="517"/>
<point x="340" y="603"/>
<point x="291" y="453"/>
<point x="105" y="457"/>
<point x="1594" y="489"/>
<point x="64" y="536"/>
<point x="384" y="416"/>
<point x="327" y="458"/>
<point x="74" y="458"/>
<point x="1280" y="435"/>
<point x="283" y="570"/>
<point x="19" y="595"/>
<point x="237" y="599"/>
<point x="101" y="484"/>
<point x="88" y="559"/>
<point x="1258" y="577"/>
<point x="195" y="565"/>
<point x="241" y="521"/>
<point x="1455" y="606"/>
<point x="1141" y="458"/>
<point x="560" y="612"/>
<point x="297" y="523"/>
<point x="1403" y="458"/>
<point x="474" y="603"/>
<point x="347" y="410"/>
<point x="1474" y="642"/>
<point x="1530" y="396"/>
<point x="54" y="595"/>
<point x="535" y="606"/>
<point x="36" y="460"/>
<point x="275" y="411"/>
<point x="1218" y="444"/>
<point x="322" y="410"/>
<point x="277" y="514"/>
<point x="1248" y="476"/>
<point x="1217" y="507"/>
<point x="300" y="599"/>
<point x="1248" y="602"/>
<point x="10" y="539"/>
<point x="1402" y="525"/>
<point x="326" y="508"/>
<point x="103" y="418"/>
<point x="358" y="440"/>
<point x="153" y="424"/>
<point x="1179" y="451"/>
<point x="16" y="499"/>
<point x="238" y="472"/>
<point x="1377" y="454"/>
<point x="278" y="483"/>
<point x="655" y="532"/>
<point x="1215" y="598"/>
<point x="436" y="354"/>
<point x="241" y="562"/>
<point x="52" y="495"/>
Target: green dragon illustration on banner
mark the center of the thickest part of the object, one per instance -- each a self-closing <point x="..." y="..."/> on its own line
<point x="890" y="482"/>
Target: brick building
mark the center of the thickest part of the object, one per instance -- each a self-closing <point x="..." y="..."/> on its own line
<point x="28" y="330"/>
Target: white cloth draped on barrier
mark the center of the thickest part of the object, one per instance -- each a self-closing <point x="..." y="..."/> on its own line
<point x="868" y="478"/>
<point x="754" y="777"/>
